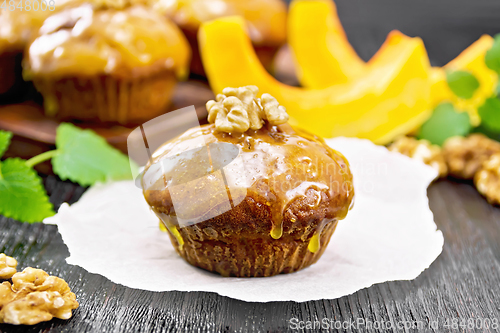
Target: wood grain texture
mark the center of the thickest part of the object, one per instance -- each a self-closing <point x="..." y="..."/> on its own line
<point x="463" y="283"/>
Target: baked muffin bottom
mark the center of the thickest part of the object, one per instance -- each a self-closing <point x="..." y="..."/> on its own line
<point x="238" y="242"/>
<point x="106" y="98"/>
<point x="251" y="258"/>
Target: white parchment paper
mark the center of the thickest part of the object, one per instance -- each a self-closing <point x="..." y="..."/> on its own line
<point x="389" y="235"/>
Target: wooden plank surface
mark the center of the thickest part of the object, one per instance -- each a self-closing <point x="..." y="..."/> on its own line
<point x="463" y="283"/>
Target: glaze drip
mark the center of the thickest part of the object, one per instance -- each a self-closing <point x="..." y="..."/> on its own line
<point x="166" y="223"/>
<point x="315" y="241"/>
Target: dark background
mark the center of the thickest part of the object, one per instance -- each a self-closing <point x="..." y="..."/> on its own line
<point x="446" y="26"/>
<point x="462" y="284"/>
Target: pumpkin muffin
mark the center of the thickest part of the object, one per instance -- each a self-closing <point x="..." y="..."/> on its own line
<point x="107" y="65"/>
<point x="19" y="26"/>
<point x="266" y="22"/>
<point x="248" y="195"/>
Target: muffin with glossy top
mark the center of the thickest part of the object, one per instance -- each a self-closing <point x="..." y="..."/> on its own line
<point x="18" y="26"/>
<point x="248" y="195"/>
<point x="108" y="64"/>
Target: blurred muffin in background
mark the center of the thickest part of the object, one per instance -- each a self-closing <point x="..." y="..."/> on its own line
<point x="107" y="65"/>
<point x="18" y="26"/>
<point x="266" y="21"/>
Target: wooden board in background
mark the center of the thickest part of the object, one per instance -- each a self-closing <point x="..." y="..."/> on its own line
<point x="35" y="133"/>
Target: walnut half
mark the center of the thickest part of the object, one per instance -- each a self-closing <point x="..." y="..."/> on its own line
<point x="487" y="179"/>
<point x="423" y="151"/>
<point x="239" y="109"/>
<point x="7" y="267"/>
<point x="465" y="156"/>
<point x="33" y="297"/>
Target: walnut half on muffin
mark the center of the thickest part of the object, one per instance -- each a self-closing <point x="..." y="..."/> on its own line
<point x="248" y="195"/>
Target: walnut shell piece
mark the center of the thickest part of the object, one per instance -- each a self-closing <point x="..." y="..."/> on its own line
<point x="7" y="267"/>
<point x="33" y="297"/>
<point x="465" y="156"/>
<point x="239" y="109"/>
<point x="487" y="179"/>
<point x="423" y="151"/>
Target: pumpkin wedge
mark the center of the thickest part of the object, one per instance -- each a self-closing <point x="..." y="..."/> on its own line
<point x="389" y="100"/>
<point x="322" y="53"/>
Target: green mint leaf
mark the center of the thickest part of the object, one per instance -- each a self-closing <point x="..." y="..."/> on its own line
<point x="86" y="158"/>
<point x="492" y="57"/>
<point x="22" y="196"/>
<point x="444" y="123"/>
<point x="462" y="83"/>
<point x="4" y="141"/>
<point x="490" y="114"/>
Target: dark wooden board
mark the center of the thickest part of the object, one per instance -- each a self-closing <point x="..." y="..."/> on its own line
<point x="463" y="283"/>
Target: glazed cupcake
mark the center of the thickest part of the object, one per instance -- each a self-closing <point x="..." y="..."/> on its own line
<point x="248" y="195"/>
<point x="266" y="22"/>
<point x="18" y="26"/>
<point x="107" y="65"/>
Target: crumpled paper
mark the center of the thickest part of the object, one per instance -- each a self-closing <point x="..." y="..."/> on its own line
<point x="389" y="235"/>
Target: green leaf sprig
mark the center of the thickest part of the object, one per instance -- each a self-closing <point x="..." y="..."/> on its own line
<point x="490" y="110"/>
<point x="444" y="123"/>
<point x="4" y="141"/>
<point x="81" y="156"/>
<point x="490" y="114"/>
<point x="462" y="83"/>
<point x="492" y="57"/>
